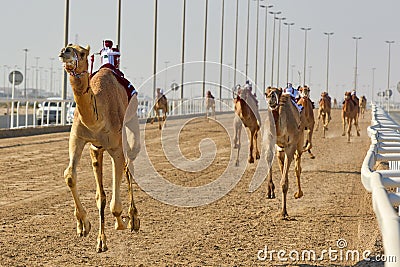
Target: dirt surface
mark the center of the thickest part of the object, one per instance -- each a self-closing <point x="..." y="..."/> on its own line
<point x="38" y="228"/>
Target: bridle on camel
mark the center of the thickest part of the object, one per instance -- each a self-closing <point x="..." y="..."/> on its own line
<point x="277" y="101"/>
<point x="76" y="61"/>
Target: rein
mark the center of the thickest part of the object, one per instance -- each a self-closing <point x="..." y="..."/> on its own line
<point x="73" y="72"/>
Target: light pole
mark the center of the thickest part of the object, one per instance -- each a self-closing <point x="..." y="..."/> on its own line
<point x="166" y="76"/>
<point x="288" y="24"/>
<point x="273" y="46"/>
<point x="327" y="61"/>
<point x="256" y="61"/>
<point x="265" y="41"/>
<point x="205" y="48"/>
<point x="279" y="48"/>
<point x="355" y="68"/>
<point x="305" y="53"/>
<point x="236" y="41"/>
<point x="247" y="38"/>
<point x="222" y="52"/>
<point x="26" y="58"/>
<point x="183" y="49"/>
<point x="119" y="25"/>
<point x="51" y="74"/>
<point x="37" y="72"/>
<point x="388" y="81"/>
<point x="155" y="48"/>
<point x="373" y="84"/>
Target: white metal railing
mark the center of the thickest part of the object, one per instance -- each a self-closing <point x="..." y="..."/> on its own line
<point x="385" y="146"/>
<point x="23" y="113"/>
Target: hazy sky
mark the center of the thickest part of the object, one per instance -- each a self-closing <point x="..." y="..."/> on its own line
<point x="39" y="26"/>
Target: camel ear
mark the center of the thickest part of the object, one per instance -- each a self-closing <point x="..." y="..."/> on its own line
<point x="88" y="48"/>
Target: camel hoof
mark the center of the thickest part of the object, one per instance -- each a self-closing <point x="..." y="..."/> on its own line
<point x="237" y="164"/>
<point x="82" y="229"/>
<point x="312" y="157"/>
<point x="283" y="215"/>
<point x="235" y="146"/>
<point x="101" y="246"/>
<point x="358" y="134"/>
<point x="298" y="194"/>
<point x="257" y="156"/>
<point x="271" y="195"/>
<point x="134" y="224"/>
<point x="343" y="134"/>
<point x="251" y="160"/>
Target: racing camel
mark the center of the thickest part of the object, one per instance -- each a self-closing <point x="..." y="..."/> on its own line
<point x="324" y="112"/>
<point x="161" y="105"/>
<point x="101" y="103"/>
<point x="246" y="108"/>
<point x="363" y="105"/>
<point x="289" y="142"/>
<point x="349" y="115"/>
<point x="209" y="103"/>
<point x="309" y="121"/>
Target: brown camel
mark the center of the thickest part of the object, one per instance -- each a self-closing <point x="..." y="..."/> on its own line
<point x="309" y="122"/>
<point x="362" y="105"/>
<point x="349" y="115"/>
<point x="161" y="105"/>
<point x="210" y="104"/>
<point x="324" y="112"/>
<point x="101" y="104"/>
<point x="289" y="143"/>
<point x="246" y="108"/>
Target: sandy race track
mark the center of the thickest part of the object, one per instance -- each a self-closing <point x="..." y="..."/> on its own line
<point x="239" y="229"/>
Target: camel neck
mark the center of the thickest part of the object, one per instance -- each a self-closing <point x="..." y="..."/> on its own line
<point x="79" y="84"/>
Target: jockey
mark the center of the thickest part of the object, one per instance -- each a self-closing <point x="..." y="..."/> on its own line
<point x="109" y="54"/>
<point x="160" y="93"/>
<point x="209" y="95"/>
<point x="110" y="59"/>
<point x="294" y="94"/>
<point x="354" y="97"/>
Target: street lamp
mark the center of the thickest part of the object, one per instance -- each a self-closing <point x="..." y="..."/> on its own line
<point x="247" y="38"/>
<point x="205" y="48"/>
<point x="236" y="41"/>
<point x="166" y="76"/>
<point x="26" y="57"/>
<point x="256" y="61"/>
<point x="155" y="48"/>
<point x="265" y="40"/>
<point x="373" y="84"/>
<point x="222" y="52"/>
<point x="183" y="48"/>
<point x="279" y="48"/>
<point x="305" y="53"/>
<point x="287" y="57"/>
<point x="327" y="61"/>
<point x="355" y="68"/>
<point x="51" y="74"/>
<point x="388" y="85"/>
<point x="273" y="46"/>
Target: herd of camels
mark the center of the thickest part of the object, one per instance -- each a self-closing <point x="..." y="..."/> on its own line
<point x="104" y="111"/>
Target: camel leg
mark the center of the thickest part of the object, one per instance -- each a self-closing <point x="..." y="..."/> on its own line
<point x="75" y="151"/>
<point x="285" y="183"/>
<point x="356" y="125"/>
<point x="344" y="125"/>
<point x="251" y="158"/>
<point x="159" y="121"/>
<point x="270" y="185"/>
<point x="213" y="110"/>
<point x="237" y="126"/>
<point x="118" y="162"/>
<point x="164" y="119"/>
<point x="96" y="154"/>
<point x="349" y="121"/>
<point x="256" y="144"/>
<point x="134" y="221"/>
<point x="297" y="169"/>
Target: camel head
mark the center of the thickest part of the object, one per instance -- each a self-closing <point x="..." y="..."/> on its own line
<point x="272" y="96"/>
<point x="75" y="59"/>
<point x="305" y="90"/>
<point x="347" y="95"/>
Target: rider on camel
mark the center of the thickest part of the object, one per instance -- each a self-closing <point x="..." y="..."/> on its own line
<point x="294" y="95"/>
<point x="209" y="95"/>
<point x="110" y="57"/>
